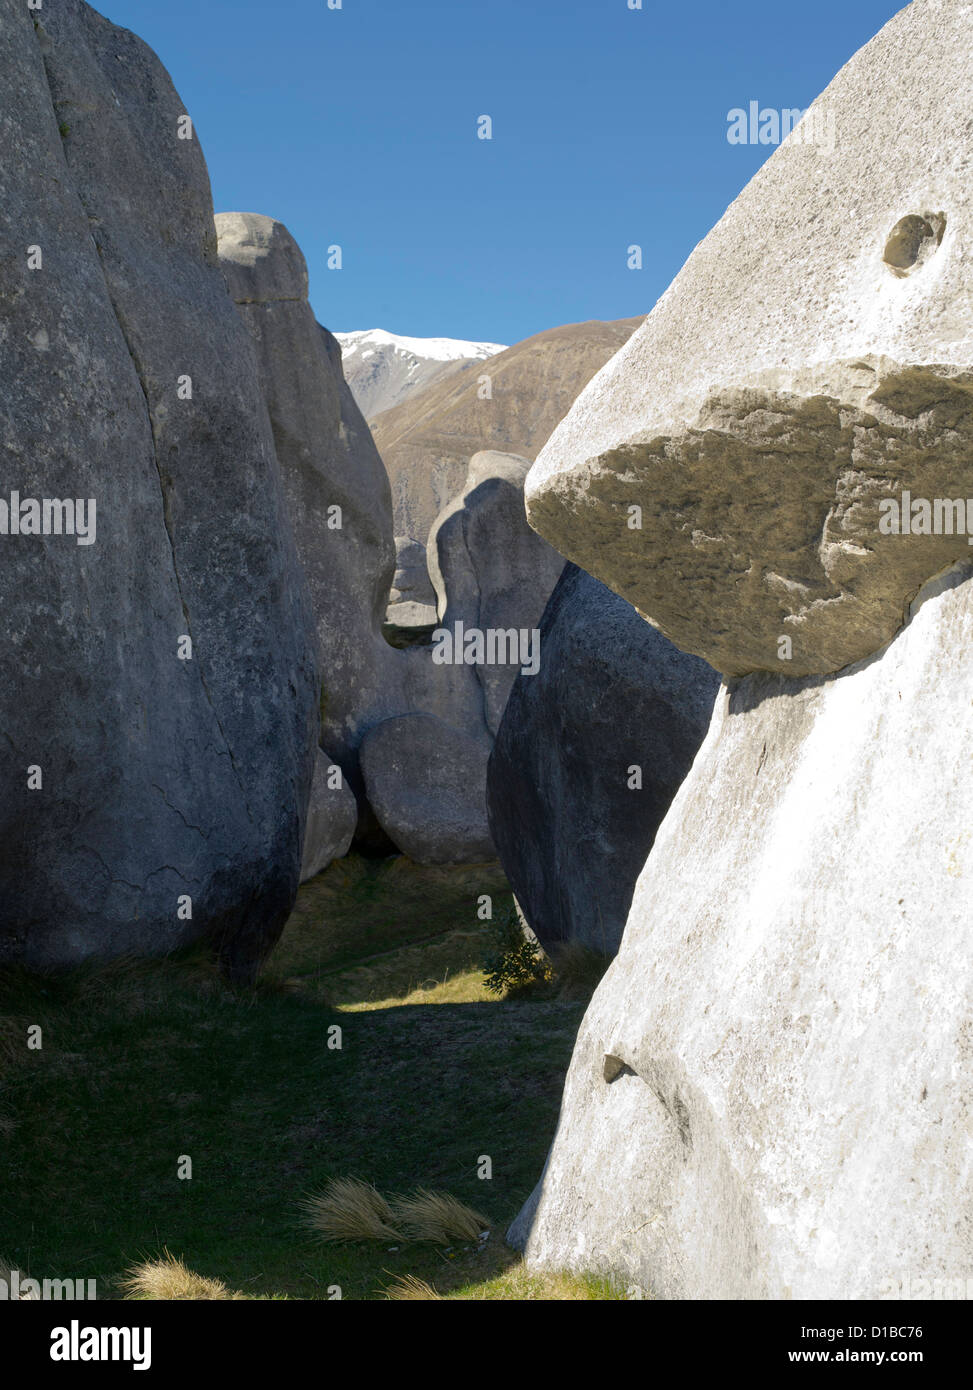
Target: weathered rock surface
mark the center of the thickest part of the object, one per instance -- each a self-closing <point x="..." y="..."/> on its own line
<point x="491" y="572"/>
<point x="428" y="440"/>
<point x="335" y="483"/>
<point x="810" y="362"/>
<point x="768" y="1097"/>
<point x="328" y="460"/>
<point x="769" y="1094"/>
<point x="589" y="754"/>
<point x="426" y="782"/>
<point x="332" y="816"/>
<point x="412" y="600"/>
<point x="163" y="779"/>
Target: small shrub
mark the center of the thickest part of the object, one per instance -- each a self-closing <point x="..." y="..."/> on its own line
<point x="514" y="961"/>
<point x="437" y="1217"/>
<point x="349" y="1209"/>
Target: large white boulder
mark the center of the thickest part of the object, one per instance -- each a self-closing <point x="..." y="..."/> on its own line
<point x="810" y="362"/>
<point x="769" y="1097"/>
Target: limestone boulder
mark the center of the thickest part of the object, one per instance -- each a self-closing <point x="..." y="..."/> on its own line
<point x="768" y="1096"/>
<point x="739" y="470"/>
<point x="426" y="781"/>
<point x="159" y="709"/>
<point x="412" y="601"/>
<point x="491" y="572"/>
<point x="332" y="817"/>
<point x="590" y="752"/>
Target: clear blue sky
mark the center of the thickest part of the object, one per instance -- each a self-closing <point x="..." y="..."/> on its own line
<point x="358" y="127"/>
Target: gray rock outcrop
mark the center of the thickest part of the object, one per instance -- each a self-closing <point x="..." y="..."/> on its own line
<point x="332" y="818"/>
<point x="491" y="572"/>
<point x="335" y="484"/>
<point x="151" y="794"/>
<point x="338" y="496"/>
<point x="426" y="782"/>
<point x="590" y="752"/>
<point x="412" y="599"/>
<point x="768" y="1096"/>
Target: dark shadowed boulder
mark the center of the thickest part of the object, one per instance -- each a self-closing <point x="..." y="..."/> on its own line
<point x="332" y="816"/>
<point x="426" y="784"/>
<point x="589" y="755"/>
<point x="166" y="794"/>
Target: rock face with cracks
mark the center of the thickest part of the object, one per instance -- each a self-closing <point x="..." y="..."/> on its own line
<point x="338" y="497"/>
<point x="173" y="780"/>
<point x="812" y="361"/>
<point x="768" y="1096"/>
<point x="590" y="752"/>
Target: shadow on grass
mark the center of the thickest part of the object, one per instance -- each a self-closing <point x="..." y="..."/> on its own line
<point x="147" y="1064"/>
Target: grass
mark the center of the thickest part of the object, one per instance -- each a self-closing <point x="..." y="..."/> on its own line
<point x="438" y="1217"/>
<point x="168" y="1278"/>
<point x="146" y="1062"/>
<point x="350" y="1210"/>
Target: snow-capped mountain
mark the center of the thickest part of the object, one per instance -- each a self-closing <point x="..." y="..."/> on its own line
<point x="384" y="369"/>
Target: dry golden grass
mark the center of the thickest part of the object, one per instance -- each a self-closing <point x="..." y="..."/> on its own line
<point x="407" y="1287"/>
<point x="437" y="1217"/>
<point x="349" y="1209"/>
<point x="168" y="1278"/>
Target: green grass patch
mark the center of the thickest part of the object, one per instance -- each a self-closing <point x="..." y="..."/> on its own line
<point x="146" y="1062"/>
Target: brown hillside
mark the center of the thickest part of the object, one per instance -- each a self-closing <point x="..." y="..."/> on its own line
<point x="426" y="442"/>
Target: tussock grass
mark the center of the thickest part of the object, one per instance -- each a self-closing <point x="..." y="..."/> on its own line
<point x="437" y="1217"/>
<point x="139" y="1050"/>
<point x="349" y="1209"/>
<point x="169" y="1279"/>
<point x="408" y="1287"/>
<point x="5" y="1272"/>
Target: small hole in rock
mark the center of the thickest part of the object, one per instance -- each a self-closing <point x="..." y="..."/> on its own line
<point x="913" y="240"/>
<point x="614" y="1067"/>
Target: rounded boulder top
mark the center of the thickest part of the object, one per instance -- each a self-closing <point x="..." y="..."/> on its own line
<point x="260" y="259"/>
